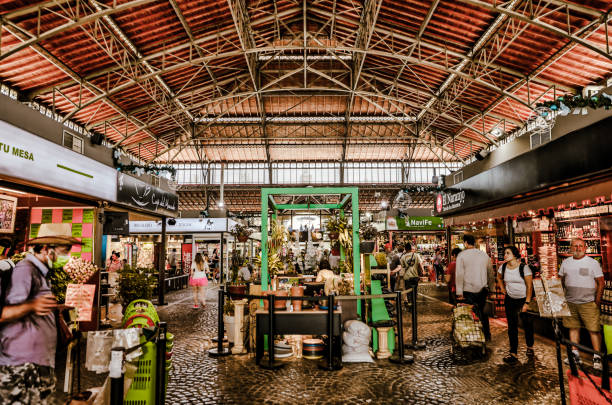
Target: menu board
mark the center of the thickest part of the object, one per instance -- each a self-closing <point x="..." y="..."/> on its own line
<point x="81" y="297"/>
<point x="8" y="209"/>
<point x="82" y="223"/>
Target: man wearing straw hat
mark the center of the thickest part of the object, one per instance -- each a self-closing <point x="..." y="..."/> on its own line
<point x="28" y="333"/>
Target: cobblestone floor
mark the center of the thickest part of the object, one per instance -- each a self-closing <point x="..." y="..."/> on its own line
<point x="436" y="377"/>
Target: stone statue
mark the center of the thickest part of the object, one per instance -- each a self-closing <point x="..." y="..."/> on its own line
<point x="356" y="338"/>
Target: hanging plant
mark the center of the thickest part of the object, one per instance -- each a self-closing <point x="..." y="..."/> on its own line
<point x="139" y="170"/>
<point x="569" y="102"/>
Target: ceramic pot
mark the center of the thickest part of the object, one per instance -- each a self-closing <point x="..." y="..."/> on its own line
<point x="366" y="246"/>
<point x="281" y="304"/>
<point x="242" y="238"/>
<point x="297" y="291"/>
<point x="237" y="289"/>
<point x="265" y="301"/>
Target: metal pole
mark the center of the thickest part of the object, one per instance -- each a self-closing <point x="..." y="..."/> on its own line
<point x="220" y="350"/>
<point x="272" y="364"/>
<point x="560" y="360"/>
<point x="116" y="375"/>
<point x="605" y="373"/>
<point x="161" y="266"/>
<point x="160" y="381"/>
<point x="221" y="263"/>
<point x="401" y="358"/>
<point x="415" y="345"/>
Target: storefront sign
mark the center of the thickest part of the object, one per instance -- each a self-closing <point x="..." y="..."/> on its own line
<point x="415" y="224"/>
<point x="28" y="157"/>
<point x="183" y="225"/>
<point x="186" y="257"/>
<point x="450" y="201"/>
<point x="139" y="194"/>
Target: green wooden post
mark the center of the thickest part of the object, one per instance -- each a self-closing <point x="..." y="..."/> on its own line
<point x="264" y="240"/>
<point x="342" y="252"/>
<point x="356" y="262"/>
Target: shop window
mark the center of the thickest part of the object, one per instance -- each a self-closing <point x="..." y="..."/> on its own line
<point x="458" y="177"/>
<point x="73" y="142"/>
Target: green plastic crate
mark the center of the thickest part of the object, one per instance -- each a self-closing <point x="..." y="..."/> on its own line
<point x="142" y="390"/>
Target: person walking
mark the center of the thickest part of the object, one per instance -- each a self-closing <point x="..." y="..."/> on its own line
<point x="449" y="277"/>
<point x="515" y="281"/>
<point x="584" y="284"/>
<point x="172" y="262"/>
<point x="472" y="279"/>
<point x="28" y="334"/>
<point x="437" y="264"/>
<point x="395" y="267"/>
<point x="198" y="280"/>
<point x="412" y="269"/>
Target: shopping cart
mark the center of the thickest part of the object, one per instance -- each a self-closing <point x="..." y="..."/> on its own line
<point x="466" y="334"/>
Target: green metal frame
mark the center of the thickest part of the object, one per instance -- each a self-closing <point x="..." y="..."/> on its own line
<point x="267" y="202"/>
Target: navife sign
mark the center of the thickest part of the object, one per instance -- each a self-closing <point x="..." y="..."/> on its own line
<point x="449" y="201"/>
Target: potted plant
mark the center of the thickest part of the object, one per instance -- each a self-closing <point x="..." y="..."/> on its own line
<point x="368" y="235"/>
<point x="335" y="226"/>
<point x="241" y="232"/>
<point x="134" y="284"/>
<point x="236" y="284"/>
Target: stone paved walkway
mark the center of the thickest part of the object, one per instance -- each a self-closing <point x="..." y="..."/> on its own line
<point x="436" y="377"/>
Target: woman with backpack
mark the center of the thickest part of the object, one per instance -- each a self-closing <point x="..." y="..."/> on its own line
<point x="515" y="281"/>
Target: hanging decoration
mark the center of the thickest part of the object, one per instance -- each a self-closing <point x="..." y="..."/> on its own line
<point x="432" y="189"/>
<point x="402" y="201"/>
<point x="564" y="104"/>
<point x="139" y="170"/>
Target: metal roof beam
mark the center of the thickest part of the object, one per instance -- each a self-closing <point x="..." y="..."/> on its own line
<point x="242" y="22"/>
<point x="418" y="43"/>
<point x="20" y="33"/>
<point x="367" y="22"/>
<point x="73" y="23"/>
<point x="162" y="54"/>
<point x="535" y="18"/>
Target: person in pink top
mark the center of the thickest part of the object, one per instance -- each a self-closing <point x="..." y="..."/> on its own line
<point x="114" y="264"/>
<point x="198" y="280"/>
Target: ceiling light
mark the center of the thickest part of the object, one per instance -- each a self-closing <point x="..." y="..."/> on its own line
<point x="497" y="132"/>
<point x="8" y="190"/>
<point x="221" y="204"/>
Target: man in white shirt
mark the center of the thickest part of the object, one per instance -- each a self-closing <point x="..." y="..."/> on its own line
<point x="584" y="284"/>
<point x="472" y="277"/>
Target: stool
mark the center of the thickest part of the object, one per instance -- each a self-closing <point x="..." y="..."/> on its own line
<point x="382" y="329"/>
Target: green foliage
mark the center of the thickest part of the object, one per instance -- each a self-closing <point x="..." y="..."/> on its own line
<point x="135" y="283"/>
<point x="336" y="224"/>
<point x="381" y="259"/>
<point x="578" y="101"/>
<point x="59" y="281"/>
<point x="368" y="232"/>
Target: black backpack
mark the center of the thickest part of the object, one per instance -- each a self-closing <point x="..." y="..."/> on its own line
<point x="521" y="272"/>
<point x="6" y="274"/>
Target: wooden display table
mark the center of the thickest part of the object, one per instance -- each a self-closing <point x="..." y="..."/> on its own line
<point x="309" y="322"/>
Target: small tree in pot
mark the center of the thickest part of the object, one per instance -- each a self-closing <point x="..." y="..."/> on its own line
<point x="335" y="226"/>
<point x="241" y="232"/>
<point x="368" y="235"/>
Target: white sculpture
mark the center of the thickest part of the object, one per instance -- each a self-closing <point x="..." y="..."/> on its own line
<point x="331" y="281"/>
<point x="356" y="338"/>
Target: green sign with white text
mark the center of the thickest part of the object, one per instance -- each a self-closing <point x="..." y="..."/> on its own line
<point x="409" y="223"/>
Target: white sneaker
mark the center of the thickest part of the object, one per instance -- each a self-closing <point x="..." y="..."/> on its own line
<point x="577" y="358"/>
<point x="597" y="365"/>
